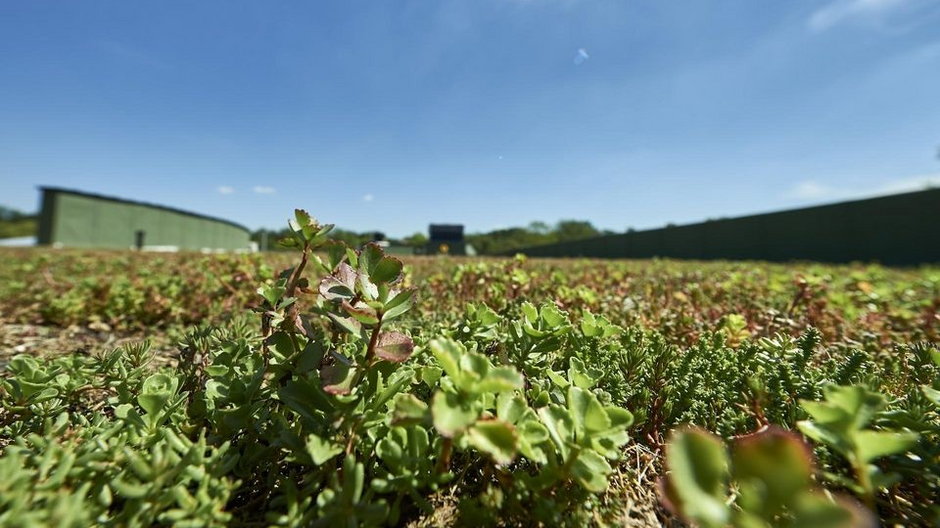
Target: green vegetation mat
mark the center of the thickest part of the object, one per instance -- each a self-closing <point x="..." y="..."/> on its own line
<point x="330" y="387"/>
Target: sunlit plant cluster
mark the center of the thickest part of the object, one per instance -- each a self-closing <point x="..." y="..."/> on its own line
<point x="507" y="396"/>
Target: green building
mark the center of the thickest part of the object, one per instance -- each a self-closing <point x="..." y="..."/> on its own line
<point x="77" y="219"/>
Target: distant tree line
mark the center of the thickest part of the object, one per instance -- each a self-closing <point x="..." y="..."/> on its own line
<point x="535" y="234"/>
<point x="491" y="243"/>
<point x="351" y="238"/>
<point x="15" y="223"/>
<point x="8" y="214"/>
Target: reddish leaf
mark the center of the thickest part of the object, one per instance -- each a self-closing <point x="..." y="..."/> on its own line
<point x="337" y="378"/>
<point x="362" y="312"/>
<point x="394" y="346"/>
<point x="340" y="285"/>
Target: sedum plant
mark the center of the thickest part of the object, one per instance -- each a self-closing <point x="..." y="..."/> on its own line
<point x="766" y="479"/>
<point x="470" y="387"/>
<point x="333" y="412"/>
<point x="841" y="422"/>
<point x="585" y="434"/>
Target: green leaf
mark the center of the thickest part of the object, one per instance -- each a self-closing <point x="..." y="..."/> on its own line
<point x="587" y="413"/>
<point x="510" y="407"/>
<point x="389" y="449"/>
<point x="581" y="375"/>
<point x="44" y="395"/>
<point x="448" y="355"/>
<point x="871" y="445"/>
<point x="104" y="496"/>
<point x="531" y="434"/>
<point x="430" y="375"/>
<point x="825" y="413"/>
<point x="307" y="226"/>
<point x="348" y="324"/>
<point x="408" y="409"/>
<point x="397" y="380"/>
<point x="368" y="290"/>
<point x="816" y="510"/>
<point x="500" y="379"/>
<point x="619" y="418"/>
<point x="155" y="392"/>
<point x="553" y="316"/>
<point x="932" y="394"/>
<point x="321" y="450"/>
<point x="588" y="325"/>
<point x="362" y="312"/>
<point x="473" y="368"/>
<point x="399" y="304"/>
<point x="486" y="316"/>
<point x="824" y="435"/>
<point x="305" y="398"/>
<point x="559" y="425"/>
<point x="288" y="242"/>
<point x="557" y="378"/>
<point x="590" y="470"/>
<point x="369" y="257"/>
<point x="848" y="407"/>
<point x="697" y="482"/>
<point x="129" y="490"/>
<point x="496" y="438"/>
<point x="530" y="312"/>
<point x="451" y="415"/>
<point x="272" y="293"/>
<point x="353" y="479"/>
<point x="352" y="257"/>
<point x="301" y="219"/>
<point x="336" y="252"/>
<point x="388" y="269"/>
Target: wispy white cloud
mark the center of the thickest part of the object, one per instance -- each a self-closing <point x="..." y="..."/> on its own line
<point x="225" y="189"/>
<point x="876" y="12"/>
<point x="260" y="189"/>
<point x="368" y="198"/>
<point x="812" y="190"/>
<point x="916" y="183"/>
<point x="581" y="56"/>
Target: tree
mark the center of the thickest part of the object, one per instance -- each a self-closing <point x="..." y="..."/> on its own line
<point x="575" y="230"/>
<point x="418" y="239"/>
<point x="537" y="233"/>
<point x="9" y="214"/>
<point x="537" y="226"/>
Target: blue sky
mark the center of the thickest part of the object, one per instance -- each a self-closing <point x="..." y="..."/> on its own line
<point x="492" y="113"/>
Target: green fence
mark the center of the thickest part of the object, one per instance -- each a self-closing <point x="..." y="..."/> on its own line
<point x="902" y="229"/>
<point x="76" y="219"/>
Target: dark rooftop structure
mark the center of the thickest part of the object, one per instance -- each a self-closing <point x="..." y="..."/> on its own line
<point x="447" y="239"/>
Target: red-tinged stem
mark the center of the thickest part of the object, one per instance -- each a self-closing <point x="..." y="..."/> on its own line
<point x="443" y="463"/>
<point x="373" y="341"/>
<point x="295" y="275"/>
